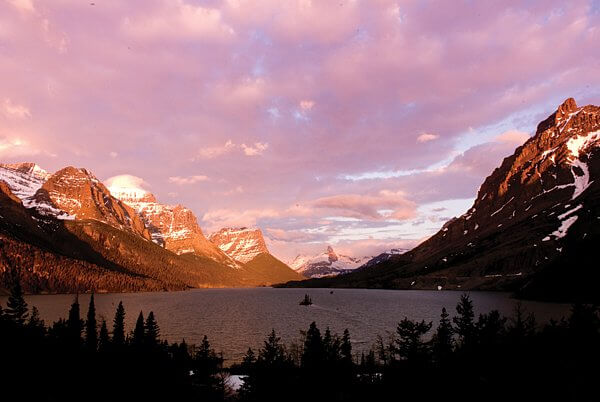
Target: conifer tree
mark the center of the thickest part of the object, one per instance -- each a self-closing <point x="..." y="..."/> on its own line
<point x="103" y="338"/>
<point x="91" y="334"/>
<point x="314" y="351"/>
<point x="118" y="335"/>
<point x="34" y="319"/>
<point x="346" y="348"/>
<point x="16" y="307"/>
<point x="75" y="323"/>
<point x="442" y="339"/>
<point x="249" y="359"/>
<point x="138" y="332"/>
<point x="409" y="345"/>
<point x="464" y="321"/>
<point x="273" y="353"/>
<point x="152" y="330"/>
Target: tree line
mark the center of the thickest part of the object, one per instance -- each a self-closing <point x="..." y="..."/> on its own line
<point x="489" y="357"/>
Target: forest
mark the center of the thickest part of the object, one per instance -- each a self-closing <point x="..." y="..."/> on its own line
<point x="487" y="357"/>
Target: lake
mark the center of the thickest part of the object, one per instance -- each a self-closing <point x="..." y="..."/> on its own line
<point x="235" y="319"/>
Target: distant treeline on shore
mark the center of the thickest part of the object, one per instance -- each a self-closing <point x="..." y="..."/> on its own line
<point x="489" y="357"/>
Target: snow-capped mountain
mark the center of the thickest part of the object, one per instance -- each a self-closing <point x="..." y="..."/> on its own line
<point x="327" y="263"/>
<point x="23" y="179"/>
<point x="241" y="244"/>
<point x="75" y="193"/>
<point x="532" y="228"/>
<point x="173" y="227"/>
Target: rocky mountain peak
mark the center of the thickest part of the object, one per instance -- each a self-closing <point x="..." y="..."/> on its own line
<point x="75" y="193"/>
<point x="27" y="168"/>
<point x="242" y="244"/>
<point x="331" y="254"/>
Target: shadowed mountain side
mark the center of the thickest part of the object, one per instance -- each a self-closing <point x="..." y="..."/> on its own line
<point x="266" y="270"/>
<point x="532" y="228"/>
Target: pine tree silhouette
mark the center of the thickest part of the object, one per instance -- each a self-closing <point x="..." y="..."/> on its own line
<point x="34" y="319"/>
<point x="152" y="330"/>
<point x="442" y="340"/>
<point x="138" y="332"/>
<point x="118" y="335"/>
<point x="74" y="323"/>
<point x="464" y="321"/>
<point x="103" y="339"/>
<point x="314" y="351"/>
<point x="16" y="307"/>
<point x="91" y="334"/>
<point x="346" y="348"/>
<point x="409" y="345"/>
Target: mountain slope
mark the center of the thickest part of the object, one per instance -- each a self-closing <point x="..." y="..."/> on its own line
<point x="248" y="247"/>
<point x="173" y="227"/>
<point x="532" y="228"/>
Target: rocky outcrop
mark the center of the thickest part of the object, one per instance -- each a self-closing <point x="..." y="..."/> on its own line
<point x="173" y="227"/>
<point x="73" y="193"/>
<point x="241" y="244"/>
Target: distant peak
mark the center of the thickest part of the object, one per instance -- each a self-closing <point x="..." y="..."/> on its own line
<point x="567" y="107"/>
<point x="29" y="168"/>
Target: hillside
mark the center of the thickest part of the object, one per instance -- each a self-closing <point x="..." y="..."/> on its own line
<point x="532" y="228"/>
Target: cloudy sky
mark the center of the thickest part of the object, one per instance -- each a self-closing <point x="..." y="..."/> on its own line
<point x="364" y="124"/>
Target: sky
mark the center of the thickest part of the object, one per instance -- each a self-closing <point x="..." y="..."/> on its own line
<point x="363" y="124"/>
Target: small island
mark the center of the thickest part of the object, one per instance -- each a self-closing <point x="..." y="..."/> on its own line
<point x="307" y="301"/>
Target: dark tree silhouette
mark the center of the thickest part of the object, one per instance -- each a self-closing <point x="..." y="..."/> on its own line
<point x="75" y="323"/>
<point x="152" y="331"/>
<point x="346" y="348"/>
<point x="313" y="355"/>
<point x="118" y="335"/>
<point x="464" y="321"/>
<point x="91" y="334"/>
<point x="139" y="333"/>
<point x="35" y="321"/>
<point x="16" y="307"/>
<point x="273" y="353"/>
<point x="103" y="338"/>
<point x="442" y="342"/>
<point x="409" y="345"/>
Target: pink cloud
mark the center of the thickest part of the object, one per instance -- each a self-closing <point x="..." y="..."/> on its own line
<point x="181" y="181"/>
<point x="178" y="87"/>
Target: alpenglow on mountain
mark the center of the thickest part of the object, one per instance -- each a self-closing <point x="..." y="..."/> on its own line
<point x="330" y="263"/>
<point x="533" y="228"/>
<point x="67" y="232"/>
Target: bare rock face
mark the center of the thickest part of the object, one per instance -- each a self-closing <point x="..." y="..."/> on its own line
<point x="173" y="227"/>
<point x="241" y="244"/>
<point x="73" y="193"/>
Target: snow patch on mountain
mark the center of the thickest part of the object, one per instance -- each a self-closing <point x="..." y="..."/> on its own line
<point x="327" y="263"/>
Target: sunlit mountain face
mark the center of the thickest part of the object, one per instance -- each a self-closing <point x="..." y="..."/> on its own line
<point x="365" y="132"/>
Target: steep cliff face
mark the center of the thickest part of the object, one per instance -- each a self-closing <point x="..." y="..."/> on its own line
<point x="73" y="193"/>
<point x="531" y="229"/>
<point x="173" y="227"/>
<point x="241" y="244"/>
<point x="248" y="248"/>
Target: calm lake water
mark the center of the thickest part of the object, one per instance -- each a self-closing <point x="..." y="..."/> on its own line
<point x="235" y="319"/>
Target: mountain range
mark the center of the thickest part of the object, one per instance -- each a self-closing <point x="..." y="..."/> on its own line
<point x="532" y="229"/>
<point x="330" y="263"/>
<point x="68" y="232"/>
